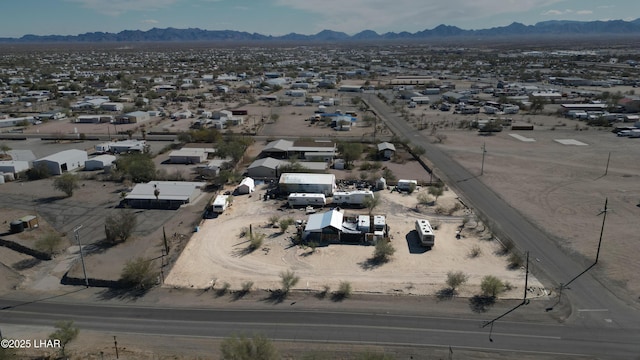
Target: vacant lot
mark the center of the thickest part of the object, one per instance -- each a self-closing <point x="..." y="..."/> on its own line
<point x="560" y="187"/>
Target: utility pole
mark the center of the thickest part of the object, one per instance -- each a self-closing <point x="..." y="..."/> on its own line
<point x="115" y="345"/>
<point x="84" y="269"/>
<point x="606" y="170"/>
<point x="604" y="217"/>
<point x="484" y="151"/>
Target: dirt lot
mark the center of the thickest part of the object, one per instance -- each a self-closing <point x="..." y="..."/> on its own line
<point x="217" y="253"/>
<point x="562" y="187"/>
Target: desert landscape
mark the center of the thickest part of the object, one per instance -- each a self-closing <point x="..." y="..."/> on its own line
<point x="216" y="254"/>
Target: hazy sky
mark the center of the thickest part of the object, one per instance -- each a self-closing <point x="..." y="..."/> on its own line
<point x="278" y="17"/>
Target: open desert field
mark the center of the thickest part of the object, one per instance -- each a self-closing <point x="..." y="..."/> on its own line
<point x="557" y="175"/>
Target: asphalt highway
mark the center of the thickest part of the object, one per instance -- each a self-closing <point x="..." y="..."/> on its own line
<point x="333" y="327"/>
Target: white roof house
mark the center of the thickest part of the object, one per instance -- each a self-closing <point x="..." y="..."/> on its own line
<point x="321" y="222"/>
<point x="99" y="162"/>
<point x="63" y="161"/>
<point x="170" y="194"/>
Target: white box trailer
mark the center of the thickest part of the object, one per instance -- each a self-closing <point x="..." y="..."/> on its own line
<point x="425" y="233"/>
<point x="304" y="199"/>
<point x="357" y="197"/>
<point x="220" y="203"/>
<point x="405" y="185"/>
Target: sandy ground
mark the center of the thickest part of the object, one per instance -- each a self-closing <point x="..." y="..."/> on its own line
<point x="562" y="188"/>
<point x="216" y="254"/>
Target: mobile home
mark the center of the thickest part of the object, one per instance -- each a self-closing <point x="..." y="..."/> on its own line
<point x="302" y="199"/>
<point x="425" y="233"/>
<point x="357" y="197"/>
<point x="220" y="203"/>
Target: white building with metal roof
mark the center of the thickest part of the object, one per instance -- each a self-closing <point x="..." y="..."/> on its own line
<point x="307" y="183"/>
<point x="99" y="162"/>
<point x="163" y="194"/>
<point x="63" y="161"/>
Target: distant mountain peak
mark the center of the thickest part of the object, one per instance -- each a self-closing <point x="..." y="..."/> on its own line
<point x="555" y="27"/>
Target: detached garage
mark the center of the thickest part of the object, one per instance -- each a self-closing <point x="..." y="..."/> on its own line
<point x="99" y="162"/>
<point x="188" y="156"/>
<point x="63" y="161"/>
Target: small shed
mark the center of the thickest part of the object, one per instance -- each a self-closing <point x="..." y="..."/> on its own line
<point x="386" y="150"/>
<point x="29" y="221"/>
<point x="247" y="186"/>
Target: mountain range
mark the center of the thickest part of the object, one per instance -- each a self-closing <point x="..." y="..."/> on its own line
<point x="546" y="28"/>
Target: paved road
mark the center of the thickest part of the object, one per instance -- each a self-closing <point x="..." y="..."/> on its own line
<point x="332" y="326"/>
<point x="594" y="304"/>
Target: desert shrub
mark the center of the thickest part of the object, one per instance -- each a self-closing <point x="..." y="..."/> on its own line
<point x="383" y="251"/>
<point x="273" y="220"/>
<point x="435" y="224"/>
<point x="49" y="243"/>
<point x="455" y="279"/>
<point x="343" y="292"/>
<point x="247" y="286"/>
<point x="288" y="279"/>
<point x="454" y="208"/>
<point x="515" y="261"/>
<point x="475" y="251"/>
<point x="138" y="273"/>
<point x="256" y="240"/>
<point x="491" y="286"/>
<point x="243" y="348"/>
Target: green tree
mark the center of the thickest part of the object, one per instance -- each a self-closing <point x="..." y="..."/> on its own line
<point x="138" y="167"/>
<point x="350" y="152"/>
<point x="66" y="183"/>
<point x="119" y="226"/>
<point x="257" y="347"/>
<point x="4" y="148"/>
<point x="436" y="191"/>
<point x="139" y="274"/>
<point x="455" y="279"/>
<point x="66" y="332"/>
<point x="491" y="286"/>
<point x="383" y="251"/>
<point x="537" y="104"/>
<point x="288" y="279"/>
<point x="371" y="203"/>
